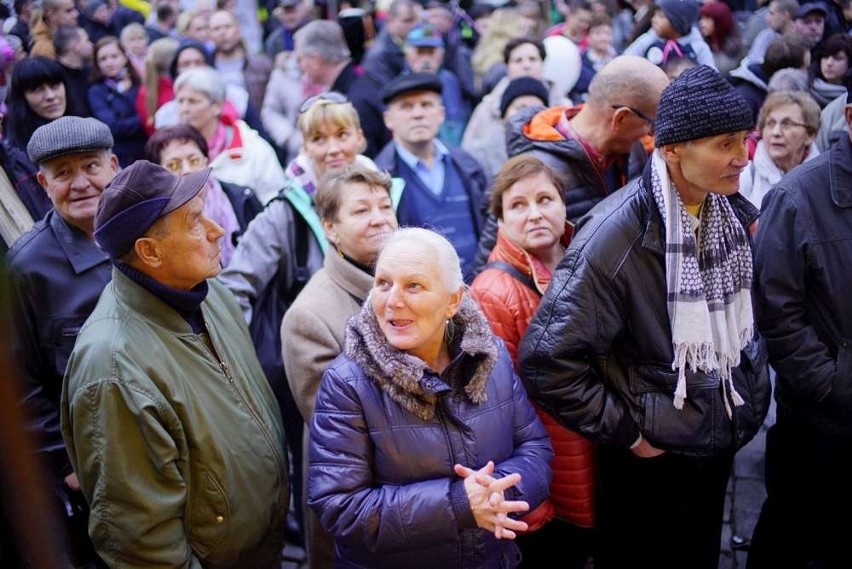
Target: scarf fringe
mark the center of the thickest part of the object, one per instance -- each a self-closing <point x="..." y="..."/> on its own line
<point x="704" y="357"/>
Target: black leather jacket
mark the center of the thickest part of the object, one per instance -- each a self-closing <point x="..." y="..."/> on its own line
<point x="803" y="259"/>
<point x="598" y="354"/>
<point x="59" y="274"/>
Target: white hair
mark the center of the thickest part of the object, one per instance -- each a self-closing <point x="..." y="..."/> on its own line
<point x="436" y="249"/>
<point x="204" y="80"/>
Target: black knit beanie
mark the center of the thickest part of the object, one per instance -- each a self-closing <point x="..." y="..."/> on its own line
<point x="681" y="13"/>
<point x="698" y="104"/>
<point x="521" y="86"/>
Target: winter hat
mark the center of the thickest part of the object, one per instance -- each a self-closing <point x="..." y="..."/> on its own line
<point x="522" y="86"/>
<point x="681" y="13"/>
<point x="699" y="103"/>
<point x="93" y="5"/>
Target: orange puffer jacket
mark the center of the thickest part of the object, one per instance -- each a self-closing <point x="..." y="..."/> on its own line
<point x="509" y="306"/>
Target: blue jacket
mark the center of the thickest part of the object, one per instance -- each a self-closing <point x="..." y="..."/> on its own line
<point x="803" y="263"/>
<point x="387" y="431"/>
<point x="118" y="112"/>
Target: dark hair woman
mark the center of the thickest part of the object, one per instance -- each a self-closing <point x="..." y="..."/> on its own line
<point x="829" y="68"/>
<point x="38" y="95"/>
<point x="112" y="98"/>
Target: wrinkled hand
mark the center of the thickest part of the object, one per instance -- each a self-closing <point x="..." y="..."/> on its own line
<point x="645" y="450"/>
<point x="490" y="507"/>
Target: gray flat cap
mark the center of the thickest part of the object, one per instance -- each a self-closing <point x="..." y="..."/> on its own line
<point x="68" y="135"/>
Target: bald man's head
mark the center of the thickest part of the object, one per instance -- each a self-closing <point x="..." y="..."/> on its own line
<point x="628" y="80"/>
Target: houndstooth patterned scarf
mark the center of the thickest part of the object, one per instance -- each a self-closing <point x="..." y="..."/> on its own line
<point x="708" y="285"/>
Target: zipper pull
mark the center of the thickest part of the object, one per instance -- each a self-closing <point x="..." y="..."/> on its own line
<point x="224" y="367"/>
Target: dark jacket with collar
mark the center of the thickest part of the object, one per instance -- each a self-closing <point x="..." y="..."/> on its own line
<point x="803" y="263"/>
<point x="387" y="431"/>
<point x="59" y="274"/>
<point x="476" y="181"/>
<point x="598" y="354"/>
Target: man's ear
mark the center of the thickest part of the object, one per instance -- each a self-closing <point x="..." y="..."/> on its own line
<point x="388" y="121"/>
<point x="147" y="252"/>
<point x="671" y="152"/>
<point x="42" y="179"/>
<point x="618" y="118"/>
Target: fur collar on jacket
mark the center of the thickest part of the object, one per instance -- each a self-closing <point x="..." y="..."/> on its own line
<point x="400" y="374"/>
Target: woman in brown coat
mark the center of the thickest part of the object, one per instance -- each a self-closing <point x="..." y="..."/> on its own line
<point x="531" y="240"/>
<point x="357" y="216"/>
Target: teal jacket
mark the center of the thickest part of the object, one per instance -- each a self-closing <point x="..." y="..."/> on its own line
<point x="176" y="437"/>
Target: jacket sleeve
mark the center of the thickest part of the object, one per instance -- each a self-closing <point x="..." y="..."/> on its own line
<point x="533" y="450"/>
<point x="500" y="309"/>
<point x="127" y="462"/>
<point x="42" y="408"/>
<point x="307" y="347"/>
<point x="572" y="332"/>
<point x="351" y="504"/>
<point x="261" y="251"/>
<point x="802" y="362"/>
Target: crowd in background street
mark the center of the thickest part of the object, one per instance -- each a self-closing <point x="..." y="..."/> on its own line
<point x="419" y="283"/>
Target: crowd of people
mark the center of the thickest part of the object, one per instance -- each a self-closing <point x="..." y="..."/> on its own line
<point x="418" y="283"/>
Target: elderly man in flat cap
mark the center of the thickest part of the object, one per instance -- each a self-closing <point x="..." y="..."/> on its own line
<point x="444" y="188"/>
<point x="60" y="272"/>
<point x="645" y="340"/>
<point x="168" y="418"/>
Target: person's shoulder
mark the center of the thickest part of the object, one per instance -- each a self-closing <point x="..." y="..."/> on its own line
<point x="614" y="224"/>
<point x="31" y="247"/>
<point x="801" y="178"/>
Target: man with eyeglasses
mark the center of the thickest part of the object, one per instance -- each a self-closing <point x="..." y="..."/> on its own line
<point x="60" y="272"/>
<point x="596" y="147"/>
<point x="803" y="267"/>
<point x="645" y="339"/>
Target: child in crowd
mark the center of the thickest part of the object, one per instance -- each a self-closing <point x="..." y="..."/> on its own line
<point x="598" y="52"/>
<point x="134" y="40"/>
<point x="673" y="34"/>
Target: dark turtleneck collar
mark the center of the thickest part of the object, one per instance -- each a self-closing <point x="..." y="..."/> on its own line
<point x="187" y="303"/>
<point x="366" y="268"/>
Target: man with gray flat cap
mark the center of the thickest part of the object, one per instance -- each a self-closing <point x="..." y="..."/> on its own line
<point x="168" y="418"/>
<point x="59" y="273"/>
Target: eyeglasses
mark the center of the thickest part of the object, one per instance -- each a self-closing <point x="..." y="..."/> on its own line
<point x="332" y="97"/>
<point x="785" y="125"/>
<point x="195" y="162"/>
<point x="638" y="113"/>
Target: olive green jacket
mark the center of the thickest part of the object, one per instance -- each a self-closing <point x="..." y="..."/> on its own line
<point x="176" y="437"/>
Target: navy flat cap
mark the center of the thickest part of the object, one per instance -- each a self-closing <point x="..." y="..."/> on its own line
<point x="410" y="83"/>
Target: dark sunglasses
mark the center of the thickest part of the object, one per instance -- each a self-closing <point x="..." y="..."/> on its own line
<point x="330" y="97"/>
<point x="638" y="113"/>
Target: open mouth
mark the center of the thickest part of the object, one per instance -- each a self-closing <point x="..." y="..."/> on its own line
<point x="400" y="324"/>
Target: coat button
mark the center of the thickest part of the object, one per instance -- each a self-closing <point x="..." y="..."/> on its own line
<point x="220" y="520"/>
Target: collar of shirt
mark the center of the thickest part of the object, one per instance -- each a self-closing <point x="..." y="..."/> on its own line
<point x="432" y="177"/>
